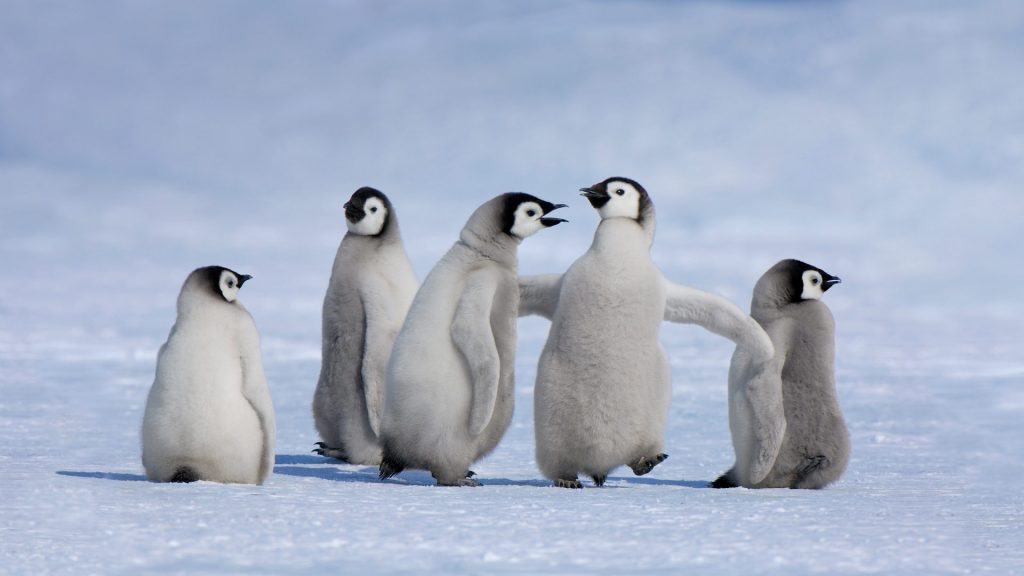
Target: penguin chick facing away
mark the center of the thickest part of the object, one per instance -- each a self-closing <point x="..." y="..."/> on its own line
<point x="449" y="385"/>
<point x="602" y="393"/>
<point x="209" y="415"/>
<point x="372" y="285"/>
<point x="787" y="429"/>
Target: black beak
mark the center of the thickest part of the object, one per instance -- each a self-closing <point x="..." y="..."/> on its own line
<point x="829" y="282"/>
<point x="553" y="221"/>
<point x="242" y="279"/>
<point x="593" y="194"/>
<point x="354" y="213"/>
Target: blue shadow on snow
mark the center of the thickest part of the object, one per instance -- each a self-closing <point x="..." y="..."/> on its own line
<point x="119" y="476"/>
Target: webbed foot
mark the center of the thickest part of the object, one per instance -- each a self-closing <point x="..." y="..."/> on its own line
<point x="646" y="464"/>
<point x="325" y="450"/>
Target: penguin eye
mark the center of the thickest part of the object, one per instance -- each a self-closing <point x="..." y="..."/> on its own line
<point x="374" y="209"/>
<point x="815" y="280"/>
<point x="620" y="192"/>
<point x="531" y="213"/>
<point x="231" y="283"/>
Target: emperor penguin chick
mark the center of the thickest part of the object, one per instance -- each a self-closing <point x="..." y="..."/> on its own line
<point x="209" y="415"/>
<point x="787" y="429"/>
<point x="371" y="288"/>
<point x="449" y="386"/>
<point x="603" y="391"/>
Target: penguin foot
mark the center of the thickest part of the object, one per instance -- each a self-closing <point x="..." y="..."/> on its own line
<point x="810" y="465"/>
<point x="470" y="473"/>
<point x="389" y="467"/>
<point x="325" y="450"/>
<point x="646" y="464"/>
<point x="574" y="483"/>
<point x="723" y="481"/>
<point x="599" y="480"/>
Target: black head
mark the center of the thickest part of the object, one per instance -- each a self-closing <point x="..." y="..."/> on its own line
<point x="618" y="197"/>
<point x="524" y="214"/>
<point x="223" y="282"/>
<point x="803" y="281"/>
<point x="368" y="212"/>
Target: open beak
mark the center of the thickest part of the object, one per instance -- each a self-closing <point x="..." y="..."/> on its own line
<point x="553" y="221"/>
<point x="243" y="279"/>
<point x="593" y="194"/>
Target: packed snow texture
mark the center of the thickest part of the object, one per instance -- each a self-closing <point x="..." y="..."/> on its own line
<point x="880" y="140"/>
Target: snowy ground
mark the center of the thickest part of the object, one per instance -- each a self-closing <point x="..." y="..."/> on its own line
<point x="879" y="140"/>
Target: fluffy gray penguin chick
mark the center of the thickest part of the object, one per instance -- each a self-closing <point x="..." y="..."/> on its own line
<point x="372" y="285"/>
<point x="449" y="385"/>
<point x="787" y="428"/>
<point x="602" y="393"/>
<point x="208" y="414"/>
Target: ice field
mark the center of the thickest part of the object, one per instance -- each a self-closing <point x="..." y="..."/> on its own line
<point x="880" y="140"/>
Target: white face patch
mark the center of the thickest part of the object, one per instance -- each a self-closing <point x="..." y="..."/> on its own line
<point x="623" y="202"/>
<point x="527" y="220"/>
<point x="229" y="285"/>
<point x="812" y="282"/>
<point x="373" y="222"/>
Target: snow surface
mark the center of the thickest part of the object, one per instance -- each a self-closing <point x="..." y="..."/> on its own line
<point x="881" y="140"/>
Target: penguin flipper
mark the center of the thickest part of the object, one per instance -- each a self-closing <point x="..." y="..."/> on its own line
<point x="256" y="392"/>
<point x="471" y="331"/>
<point x="538" y="295"/>
<point x="377" y="343"/>
<point x="686" y="305"/>
<point x="763" y="397"/>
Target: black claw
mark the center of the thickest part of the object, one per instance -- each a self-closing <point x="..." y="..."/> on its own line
<point x="662" y="457"/>
<point x="470" y="473"/>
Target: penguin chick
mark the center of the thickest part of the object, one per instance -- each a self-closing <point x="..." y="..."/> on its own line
<point x="602" y="393"/>
<point x="787" y="428"/>
<point x="372" y="285"/>
<point x="209" y="415"/>
<point x="449" y="386"/>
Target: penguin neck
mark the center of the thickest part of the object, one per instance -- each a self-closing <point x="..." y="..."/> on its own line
<point x="500" y="247"/>
<point x="192" y="303"/>
<point x="623" y="236"/>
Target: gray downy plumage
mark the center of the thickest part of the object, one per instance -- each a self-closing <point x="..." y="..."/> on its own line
<point x="602" y="393"/>
<point x="371" y="287"/>
<point x="787" y="428"/>
<point x="449" y="385"/>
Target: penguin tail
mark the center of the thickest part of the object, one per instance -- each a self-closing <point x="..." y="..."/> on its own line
<point x="184" y="474"/>
<point x="724" y="481"/>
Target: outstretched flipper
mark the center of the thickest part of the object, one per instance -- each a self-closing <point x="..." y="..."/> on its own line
<point x="472" y="334"/>
<point x="756" y="393"/>
<point x="538" y="295"/>
<point x="716" y="314"/>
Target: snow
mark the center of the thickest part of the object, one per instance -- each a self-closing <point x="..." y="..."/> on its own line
<point x="880" y="140"/>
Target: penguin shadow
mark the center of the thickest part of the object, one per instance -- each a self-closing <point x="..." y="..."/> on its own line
<point x="332" y="473"/>
<point x="116" y="476"/>
<point x="660" y="482"/>
<point x="293" y="459"/>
